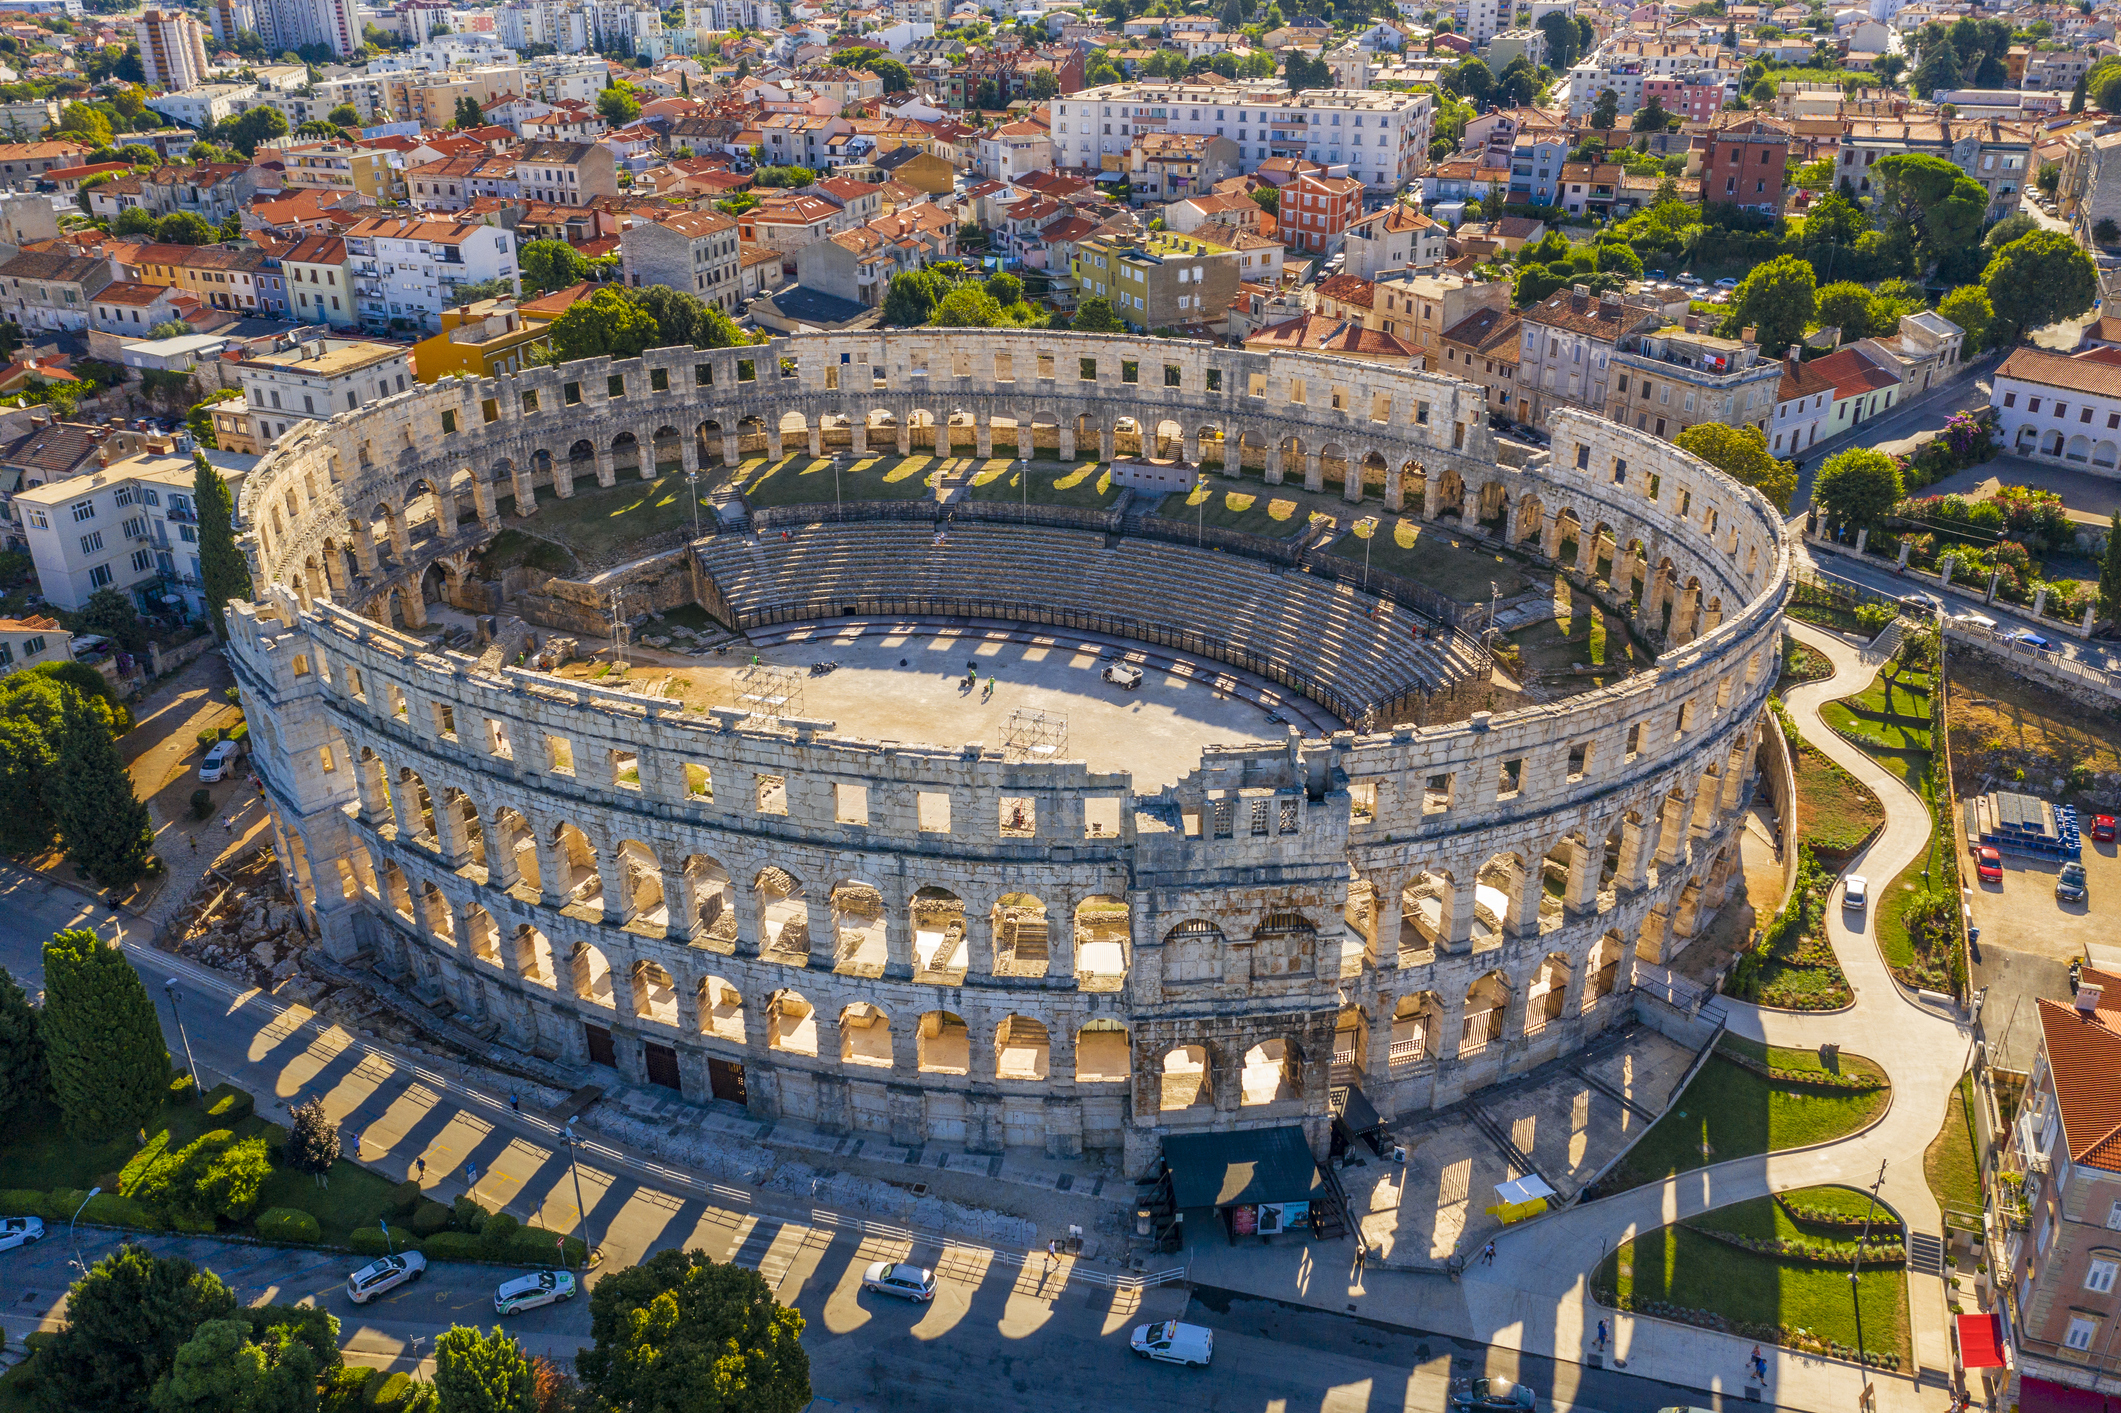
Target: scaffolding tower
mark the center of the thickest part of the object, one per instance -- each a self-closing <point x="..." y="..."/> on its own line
<point x="770" y="690"/>
<point x="1031" y="734"/>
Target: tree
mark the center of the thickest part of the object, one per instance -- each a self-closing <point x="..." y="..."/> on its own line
<point x="1517" y="84"/>
<point x="1233" y="15"/>
<point x="1889" y="68"/>
<point x="1650" y="117"/>
<point x="676" y="313"/>
<point x="1938" y="71"/>
<point x="344" y="116"/>
<point x="22" y="1072"/>
<point x="618" y="105"/>
<point x="2106" y="232"/>
<point x="1605" y="113"/>
<point x="1857" y="488"/>
<point x="967" y="307"/>
<point x="1471" y="79"/>
<point x="2038" y="280"/>
<point x="477" y="1373"/>
<point x="1042" y="85"/>
<point x="32" y="709"/>
<point x="550" y="265"/>
<point x="244" y="133"/>
<point x="912" y="296"/>
<point x="2016" y="224"/>
<point x="1268" y="199"/>
<point x="469" y="114"/>
<point x="1300" y="71"/>
<point x="2076" y="95"/>
<point x="1560" y="29"/>
<point x="125" y="1322"/>
<point x="223" y="574"/>
<point x="1929" y="195"/>
<point x="105" y="827"/>
<point x="1742" y="454"/>
<point x="111" y="613"/>
<point x="134" y="221"/>
<point x="1619" y="260"/>
<point x="680" y="1333"/>
<point x="1094" y="316"/>
<point x="2110" y="572"/>
<point x="1845" y="305"/>
<point x="1777" y="300"/>
<point x="312" y="1138"/>
<point x="610" y="323"/>
<point x="1836" y="220"/>
<point x="185" y="228"/>
<point x="86" y="124"/>
<point x="221" y="1367"/>
<point x="1968" y="307"/>
<point x="1007" y="289"/>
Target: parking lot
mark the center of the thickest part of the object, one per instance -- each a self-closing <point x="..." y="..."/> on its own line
<point x="2029" y="937"/>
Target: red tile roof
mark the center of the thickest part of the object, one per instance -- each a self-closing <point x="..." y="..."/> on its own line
<point x="1320" y="333"/>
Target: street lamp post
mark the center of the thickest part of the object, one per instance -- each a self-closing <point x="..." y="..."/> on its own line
<point x="574" y="1163"/>
<point x="1368" y="526"/>
<point x="72" y="1226"/>
<point x="1200" y="518"/>
<point x="169" y="989"/>
<point x="1023" y="473"/>
<point x="835" y="481"/>
<point x="692" y="485"/>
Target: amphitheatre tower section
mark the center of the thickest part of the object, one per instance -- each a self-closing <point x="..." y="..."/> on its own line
<point x="956" y="942"/>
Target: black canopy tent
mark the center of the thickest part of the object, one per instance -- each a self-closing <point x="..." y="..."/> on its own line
<point x="1261" y="1182"/>
<point x="1354" y="1116"/>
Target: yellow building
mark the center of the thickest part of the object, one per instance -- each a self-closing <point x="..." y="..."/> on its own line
<point x="480" y="340"/>
<point x="341" y="166"/>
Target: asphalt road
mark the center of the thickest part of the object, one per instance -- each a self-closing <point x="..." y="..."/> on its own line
<point x="994" y="1326"/>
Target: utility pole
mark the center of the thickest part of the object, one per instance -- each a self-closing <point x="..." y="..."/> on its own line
<point x="618" y="633"/>
<point x="1856" y="1289"/>
<point x="198" y="1090"/>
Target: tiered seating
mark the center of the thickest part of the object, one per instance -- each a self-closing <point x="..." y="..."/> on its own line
<point x="1326" y="630"/>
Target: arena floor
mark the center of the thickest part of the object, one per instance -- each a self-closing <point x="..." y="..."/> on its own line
<point x="1155" y="732"/>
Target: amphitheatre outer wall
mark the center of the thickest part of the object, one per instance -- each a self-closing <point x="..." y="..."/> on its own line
<point x="936" y="943"/>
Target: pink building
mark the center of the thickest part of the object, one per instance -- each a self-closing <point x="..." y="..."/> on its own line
<point x="1696" y="102"/>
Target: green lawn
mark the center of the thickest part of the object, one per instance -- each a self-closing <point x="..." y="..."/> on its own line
<point x="1823" y="615"/>
<point x="513" y="547"/>
<point x="1801" y="664"/>
<point x="1952" y="1165"/>
<point x="1729" y="1111"/>
<point x="601" y="523"/>
<point x="1433" y="555"/>
<point x="1082" y="484"/>
<point x="1768" y="1296"/>
<point x="1890" y="715"/>
<point x="1580" y="634"/>
<point x="1834" y="809"/>
<point x="1254" y="507"/>
<point x="807" y="480"/>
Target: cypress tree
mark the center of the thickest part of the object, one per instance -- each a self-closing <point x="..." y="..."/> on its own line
<point x="2110" y="572"/>
<point x="105" y="828"/>
<point x="109" y="1070"/>
<point x="222" y="573"/>
<point x="22" y="1074"/>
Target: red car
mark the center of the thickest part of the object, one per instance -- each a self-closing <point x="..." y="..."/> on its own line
<point x="1989" y="864"/>
<point x="2102" y="829"/>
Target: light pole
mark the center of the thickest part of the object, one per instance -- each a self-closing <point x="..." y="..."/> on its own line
<point x="1023" y="471"/>
<point x="835" y="481"/>
<point x="692" y="486"/>
<point x="169" y="989"/>
<point x="71" y="1227"/>
<point x="1367" y="528"/>
<point x="1200" y="507"/>
<point x="574" y="1163"/>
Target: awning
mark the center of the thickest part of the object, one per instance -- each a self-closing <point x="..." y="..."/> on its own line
<point x="1528" y="1188"/>
<point x="1980" y="1342"/>
<point x="1354" y="1109"/>
<point x="2046" y="1396"/>
<point x="1247" y="1166"/>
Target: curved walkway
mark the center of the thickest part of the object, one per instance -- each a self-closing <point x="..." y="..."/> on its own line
<point x="1536" y="1294"/>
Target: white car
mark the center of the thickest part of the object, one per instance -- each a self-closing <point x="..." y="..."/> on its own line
<point x="1726" y="283"/>
<point x="1174" y="1343"/>
<point x="384" y="1274"/>
<point x="220" y="762"/>
<point x="531" y="1291"/>
<point x="1855" y="892"/>
<point x="20" y="1231"/>
<point x="899" y="1279"/>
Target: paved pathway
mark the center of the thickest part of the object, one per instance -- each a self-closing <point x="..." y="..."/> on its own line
<point x="1538" y="1284"/>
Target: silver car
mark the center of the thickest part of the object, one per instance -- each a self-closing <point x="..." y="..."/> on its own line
<point x="899" y="1279"/>
<point x="531" y="1291"/>
<point x="385" y="1274"/>
<point x="20" y="1231"/>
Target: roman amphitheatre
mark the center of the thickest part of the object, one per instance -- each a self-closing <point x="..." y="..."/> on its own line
<point x="865" y="835"/>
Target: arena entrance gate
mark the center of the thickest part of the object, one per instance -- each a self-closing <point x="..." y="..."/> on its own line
<point x="600" y="1051"/>
<point x="725" y="1080"/>
<point x="662" y="1064"/>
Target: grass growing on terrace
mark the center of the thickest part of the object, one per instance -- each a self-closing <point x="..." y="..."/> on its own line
<point x="599" y="523"/>
<point x="809" y="480"/>
<point x="1951" y="1164"/>
<point x="1083" y="484"/>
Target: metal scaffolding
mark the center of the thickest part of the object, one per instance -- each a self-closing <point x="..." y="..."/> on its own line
<point x="1031" y="734"/>
<point x="771" y="690"/>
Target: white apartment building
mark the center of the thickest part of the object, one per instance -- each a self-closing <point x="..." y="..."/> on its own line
<point x="318" y="379"/>
<point x="1622" y="65"/>
<point x="1379" y="135"/>
<point x="32" y="642"/>
<point x="205" y="104"/>
<point x="129" y="526"/>
<point x="523" y="23"/>
<point x="405" y="272"/>
<point x="561" y="78"/>
<point x="172" y="49"/>
<point x="2054" y="408"/>
<point x="1482" y="19"/>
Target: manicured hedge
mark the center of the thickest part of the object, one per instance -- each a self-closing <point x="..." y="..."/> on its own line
<point x="228" y="1105"/>
<point x="404" y="1197"/>
<point x="288" y="1224"/>
<point x="21" y="1202"/>
<point x="113" y="1210"/>
<point x="431" y="1217"/>
<point x="368" y="1241"/>
<point x="392" y="1392"/>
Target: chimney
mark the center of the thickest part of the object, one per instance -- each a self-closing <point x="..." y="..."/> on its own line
<point x="2088" y="995"/>
<point x="1748" y="334"/>
<point x="1796" y="353"/>
<point x="1582" y="291"/>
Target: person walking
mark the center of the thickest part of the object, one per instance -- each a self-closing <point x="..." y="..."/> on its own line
<point x="515" y="1104"/>
<point x="1758" y="1364"/>
<point x="1487" y="1254"/>
<point x="1599" y="1344"/>
<point x="421" y="1164"/>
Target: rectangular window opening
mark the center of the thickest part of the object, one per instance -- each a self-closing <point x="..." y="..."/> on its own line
<point x="559" y="755"/>
<point x="850" y="804"/>
<point x="933" y="810"/>
<point x="773" y="794"/>
<point x="1101" y="817"/>
<point x="699" y="782"/>
<point x="1019" y="817"/>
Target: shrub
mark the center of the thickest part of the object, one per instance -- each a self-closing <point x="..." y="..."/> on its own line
<point x="208" y="737"/>
<point x="368" y="1241"/>
<point x="227" y="1104"/>
<point x="1874" y="616"/>
<point x="239" y="733"/>
<point x="275" y="1137"/>
<point x="21" y="1202"/>
<point x="431" y="1217"/>
<point x="180" y="1090"/>
<point x="394" y="1393"/>
<point x="535" y="1246"/>
<point x="289" y="1224"/>
<point x="111" y="1210"/>
<point x="404" y="1197"/>
<point x="499" y="1233"/>
<point x="468" y="1215"/>
<point x="453" y="1246"/>
<point x="345" y="1389"/>
<point x="202" y="803"/>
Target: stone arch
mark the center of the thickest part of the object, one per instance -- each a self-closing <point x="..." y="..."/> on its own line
<point x="514" y="841"/>
<point x="1104" y="942"/>
<point x="1602" y="969"/>
<point x="1210" y="448"/>
<point x="1020" y="942"/>
<point x="1333" y="467"/>
<point x="1546" y="992"/>
<point x="1284" y="944"/>
<point x="945" y="1044"/>
<point x="1487" y="1004"/>
<point x="1371" y="470"/>
<point x="437" y="914"/>
<point x="1022" y="1048"/>
<point x="784" y="917"/>
<point x="666" y="450"/>
<point x="1416" y="1028"/>
<point x="580" y="879"/>
<point x="707" y="442"/>
<point x="936" y="918"/>
<point x="640" y="881"/>
<point x="858" y="928"/>
<point x="1167" y="440"/>
<point x="1450" y="494"/>
<point x="625" y="454"/>
<point x="592" y="976"/>
<point x="1194" y="952"/>
<point x="791" y="1023"/>
<point x="1351" y="1044"/>
<point x="1272" y="1073"/>
<point x="482" y="935"/>
<point x="865" y="1036"/>
<point x="1102" y="1052"/>
<point x="713" y="900"/>
<point x="655" y="995"/>
<point x="1185" y="1078"/>
<point x="534" y="956"/>
<point x="721" y="1008"/>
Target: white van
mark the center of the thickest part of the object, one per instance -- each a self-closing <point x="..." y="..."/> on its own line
<point x="1123" y="675"/>
<point x="1175" y="1343"/>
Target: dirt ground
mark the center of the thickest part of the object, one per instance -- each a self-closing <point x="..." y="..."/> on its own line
<point x="1754" y="896"/>
<point x="2002" y="724"/>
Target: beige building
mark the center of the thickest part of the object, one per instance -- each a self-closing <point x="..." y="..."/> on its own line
<point x="1565" y="345"/>
<point x="1665" y="380"/>
<point x="172" y="50"/>
<point x="565" y="173"/>
<point x="1418" y="308"/>
<point x="317" y="379"/>
<point x="1482" y="348"/>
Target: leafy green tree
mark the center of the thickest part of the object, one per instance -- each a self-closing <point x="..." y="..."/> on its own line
<point x="2076" y="95"/>
<point x="1857" y="488"/>
<point x="86" y="124"/>
<point x="312" y="1138"/>
<point x="1300" y="71"/>
<point x="1562" y="41"/>
<point x="1650" y="117"/>
<point x="1007" y="289"/>
<point x="912" y="296"/>
<point x="1605" y="113"/>
<point x="680" y="1333"/>
<point x="222" y="1368"/>
<point x="2110" y="573"/>
<point x="550" y="265"/>
<point x="2038" y="280"/>
<point x="469" y="114"/>
<point x="344" y="116"/>
<point x="478" y="1373"/>
<point x="1471" y="79"/>
<point x="22" y="1073"/>
<point x="244" y="133"/>
<point x="1619" y="260"/>
<point x="105" y="827"/>
<point x="185" y="228"/>
<point x="618" y="105"/>
<point x="102" y="1044"/>
<point x="111" y="613"/>
<point x="1939" y="70"/>
<point x="32" y="710"/>
<point x="1094" y="316"/>
<point x="2016" y="224"/>
<point x="1889" y="68"/>
<point x="134" y="221"/>
<point x="1845" y="305"/>
<point x="896" y="76"/>
<point x="610" y="323"/>
<point x="125" y="1322"/>
<point x="1516" y="84"/>
<point x="1929" y="195"/>
<point x="967" y="307"/>
<point x="1778" y="300"/>
<point x="1742" y="454"/>
<point x="1968" y="307"/>
<point x="223" y="574"/>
